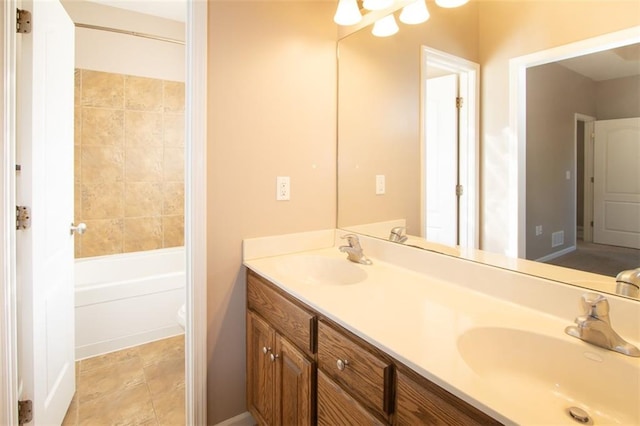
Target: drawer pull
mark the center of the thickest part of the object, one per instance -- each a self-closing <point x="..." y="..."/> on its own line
<point x="342" y="364"/>
<point x="266" y="350"/>
<point x="274" y="357"/>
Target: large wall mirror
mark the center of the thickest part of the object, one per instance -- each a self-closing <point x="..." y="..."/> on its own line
<point x="404" y="152"/>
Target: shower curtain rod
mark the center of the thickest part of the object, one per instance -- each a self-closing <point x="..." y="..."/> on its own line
<point x="132" y="33"/>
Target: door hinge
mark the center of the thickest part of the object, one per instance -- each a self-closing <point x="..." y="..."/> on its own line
<point x="592" y="224"/>
<point x="23" y="217"/>
<point x="459" y="102"/>
<point x="459" y="190"/>
<point x="23" y="21"/>
<point x="25" y="411"/>
<point x="592" y="179"/>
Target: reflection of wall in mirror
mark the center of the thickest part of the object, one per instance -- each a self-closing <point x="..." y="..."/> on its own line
<point x="554" y="95"/>
<point x="378" y="115"/>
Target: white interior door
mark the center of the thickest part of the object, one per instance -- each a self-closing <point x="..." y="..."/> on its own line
<point x="617" y="182"/>
<point x="441" y="130"/>
<point x="45" y="97"/>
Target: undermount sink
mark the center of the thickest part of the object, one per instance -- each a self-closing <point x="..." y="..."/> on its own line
<point x="554" y="374"/>
<point x="321" y="270"/>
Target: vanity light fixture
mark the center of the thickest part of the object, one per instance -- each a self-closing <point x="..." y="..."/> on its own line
<point x="376" y="4"/>
<point x="347" y="13"/>
<point x="451" y="3"/>
<point x="385" y="26"/>
<point x="414" y="13"/>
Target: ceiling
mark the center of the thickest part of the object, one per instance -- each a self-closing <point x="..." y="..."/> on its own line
<point x="615" y="63"/>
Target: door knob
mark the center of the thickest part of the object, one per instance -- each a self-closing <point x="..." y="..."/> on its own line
<point x="80" y="229"/>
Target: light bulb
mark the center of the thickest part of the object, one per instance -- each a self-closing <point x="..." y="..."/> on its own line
<point x="414" y="13"/>
<point x="347" y="13"/>
<point x="385" y="27"/>
<point x="376" y="4"/>
<point x="451" y="3"/>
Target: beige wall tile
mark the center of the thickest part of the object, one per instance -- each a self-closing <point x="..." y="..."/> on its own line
<point x="143" y="199"/>
<point x="173" y="130"/>
<point x="142" y="234"/>
<point x="102" y="89"/>
<point x="173" y="227"/>
<point x="102" y="126"/>
<point x="102" y="200"/>
<point x="173" y="198"/>
<point x="143" y="128"/>
<point x="77" y="164"/>
<point x="173" y="164"/>
<point x="173" y="96"/>
<point x="102" y="237"/>
<point x="143" y="164"/>
<point x="77" y="202"/>
<point x="102" y="164"/>
<point x="77" y="125"/>
<point x="142" y="94"/>
<point x="77" y="87"/>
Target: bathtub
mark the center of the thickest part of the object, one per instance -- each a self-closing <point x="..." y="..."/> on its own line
<point x="127" y="299"/>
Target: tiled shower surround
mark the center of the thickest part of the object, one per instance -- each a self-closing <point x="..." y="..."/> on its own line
<point x="129" y="163"/>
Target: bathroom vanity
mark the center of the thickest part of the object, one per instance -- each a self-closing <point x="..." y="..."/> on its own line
<point x="420" y="338"/>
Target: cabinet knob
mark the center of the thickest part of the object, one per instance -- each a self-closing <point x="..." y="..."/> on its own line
<point x="342" y="364"/>
<point x="266" y="350"/>
<point x="273" y="357"/>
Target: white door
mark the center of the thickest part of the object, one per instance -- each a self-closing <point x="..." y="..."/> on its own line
<point x="617" y="182"/>
<point x="45" y="97"/>
<point x="441" y="130"/>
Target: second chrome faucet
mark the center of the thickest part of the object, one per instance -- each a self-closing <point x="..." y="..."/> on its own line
<point x="354" y="250"/>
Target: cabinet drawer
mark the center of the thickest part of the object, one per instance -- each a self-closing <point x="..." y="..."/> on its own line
<point x="366" y="376"/>
<point x="336" y="407"/>
<point x="284" y="315"/>
<point x="420" y="401"/>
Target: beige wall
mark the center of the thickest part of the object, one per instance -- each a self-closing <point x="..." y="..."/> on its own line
<point x="129" y="163"/>
<point x="510" y="29"/>
<point x="618" y="98"/>
<point x="554" y="95"/>
<point x="379" y="116"/>
<point x="272" y="109"/>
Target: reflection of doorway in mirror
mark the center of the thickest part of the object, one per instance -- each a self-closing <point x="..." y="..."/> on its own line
<point x="449" y="146"/>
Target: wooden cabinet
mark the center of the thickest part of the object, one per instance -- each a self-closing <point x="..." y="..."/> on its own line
<point x="354" y="382"/>
<point x="280" y="376"/>
<point x="420" y="402"/>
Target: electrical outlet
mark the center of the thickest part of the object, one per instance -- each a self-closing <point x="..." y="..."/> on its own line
<point x="380" y="185"/>
<point x="538" y="230"/>
<point x="283" y="188"/>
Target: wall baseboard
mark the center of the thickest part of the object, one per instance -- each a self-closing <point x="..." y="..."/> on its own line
<point x="100" y="348"/>
<point x="244" y="419"/>
<point x="556" y="254"/>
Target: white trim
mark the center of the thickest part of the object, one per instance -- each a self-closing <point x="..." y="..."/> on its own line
<point x="553" y="255"/>
<point x="516" y="244"/>
<point x="587" y="205"/>
<point x="8" y="316"/>
<point x="195" y="214"/>
<point x="244" y="419"/>
<point x="469" y="73"/>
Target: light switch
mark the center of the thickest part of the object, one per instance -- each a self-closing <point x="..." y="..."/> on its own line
<point x="380" y="184"/>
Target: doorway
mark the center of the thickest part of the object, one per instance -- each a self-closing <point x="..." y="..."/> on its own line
<point x="195" y="200"/>
<point x="449" y="146"/>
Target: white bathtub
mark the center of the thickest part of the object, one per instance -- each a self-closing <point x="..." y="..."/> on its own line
<point x="127" y="299"/>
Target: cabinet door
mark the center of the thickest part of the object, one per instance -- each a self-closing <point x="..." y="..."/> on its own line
<point x="336" y="407"/>
<point x="421" y="402"/>
<point x="295" y="386"/>
<point x="260" y="370"/>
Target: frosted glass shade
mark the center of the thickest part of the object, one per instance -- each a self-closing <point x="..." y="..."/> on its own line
<point x="376" y="4"/>
<point x="385" y="27"/>
<point x="451" y="3"/>
<point x="414" y="13"/>
<point x="347" y="13"/>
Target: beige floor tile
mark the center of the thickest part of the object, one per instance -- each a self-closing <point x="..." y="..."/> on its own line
<point x="71" y="418"/>
<point x="173" y="347"/>
<point x="170" y="408"/>
<point x="165" y="376"/>
<point x="113" y="378"/>
<point x="131" y="406"/>
<point x="108" y="359"/>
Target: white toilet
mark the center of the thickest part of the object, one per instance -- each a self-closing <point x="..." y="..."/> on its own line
<point x="181" y="316"/>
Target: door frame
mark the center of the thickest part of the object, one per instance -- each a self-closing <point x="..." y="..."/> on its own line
<point x="587" y="184"/>
<point x="469" y="136"/>
<point x="516" y="195"/>
<point x="195" y="215"/>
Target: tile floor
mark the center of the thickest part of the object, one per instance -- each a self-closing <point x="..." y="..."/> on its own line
<point x="143" y="385"/>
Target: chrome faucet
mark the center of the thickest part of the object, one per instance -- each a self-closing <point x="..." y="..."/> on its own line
<point x="398" y="235"/>
<point x="354" y="250"/>
<point x="595" y="327"/>
<point x="628" y="283"/>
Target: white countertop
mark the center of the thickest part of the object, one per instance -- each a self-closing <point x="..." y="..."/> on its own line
<point x="417" y="319"/>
